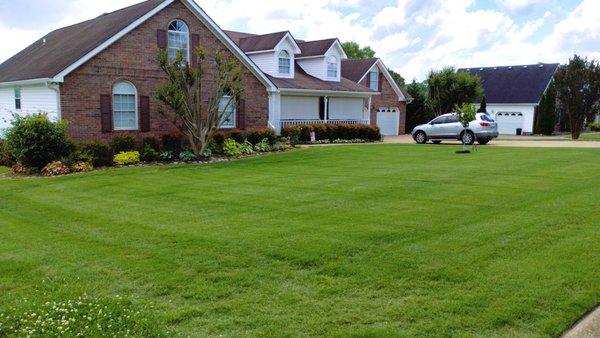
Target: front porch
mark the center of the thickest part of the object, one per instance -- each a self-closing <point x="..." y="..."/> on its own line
<point x="296" y="122"/>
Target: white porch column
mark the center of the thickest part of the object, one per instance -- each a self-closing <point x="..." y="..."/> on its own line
<point x="368" y="117"/>
<point x="275" y="112"/>
<point x="326" y="109"/>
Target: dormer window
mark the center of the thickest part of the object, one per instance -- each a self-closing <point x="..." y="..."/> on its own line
<point x="179" y="37"/>
<point x="374" y="80"/>
<point x="285" y="63"/>
<point x="332" y="67"/>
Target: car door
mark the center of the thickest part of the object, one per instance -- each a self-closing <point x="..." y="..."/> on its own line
<point x="436" y="130"/>
<point x="452" y="128"/>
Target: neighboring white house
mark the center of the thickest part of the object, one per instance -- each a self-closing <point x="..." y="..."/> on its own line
<point x="27" y="99"/>
<point x="513" y="93"/>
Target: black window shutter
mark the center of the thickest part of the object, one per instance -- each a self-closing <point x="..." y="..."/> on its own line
<point x="106" y="119"/>
<point x="194" y="43"/>
<point x="380" y="84"/>
<point x="161" y="38"/>
<point x="322" y="108"/>
<point x="145" y="113"/>
<point x="369" y="79"/>
<point x="241" y="114"/>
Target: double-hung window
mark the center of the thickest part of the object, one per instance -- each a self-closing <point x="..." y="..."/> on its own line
<point x="374" y="78"/>
<point x="125" y="108"/>
<point x="17" y="98"/>
<point x="285" y="63"/>
<point x="332" y="67"/>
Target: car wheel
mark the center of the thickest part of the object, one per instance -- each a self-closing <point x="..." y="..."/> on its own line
<point x="437" y="142"/>
<point x="420" y="137"/>
<point x="483" y="141"/>
<point x="467" y="137"/>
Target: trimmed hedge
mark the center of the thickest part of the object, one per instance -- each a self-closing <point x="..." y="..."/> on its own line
<point x="301" y="133"/>
<point x="595" y="126"/>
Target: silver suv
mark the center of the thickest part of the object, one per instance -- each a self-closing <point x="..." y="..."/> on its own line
<point x="447" y="127"/>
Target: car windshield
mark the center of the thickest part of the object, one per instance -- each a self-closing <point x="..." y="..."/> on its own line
<point x="486" y="118"/>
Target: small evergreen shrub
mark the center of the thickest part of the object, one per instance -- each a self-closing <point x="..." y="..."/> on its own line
<point x="595" y="126"/>
<point x="35" y="141"/>
<point x="238" y="135"/>
<point x="301" y="133"/>
<point x="99" y="151"/>
<point x="123" y="143"/>
<point x="5" y="157"/>
<point x="232" y="148"/>
<point x="259" y="135"/>
<point x="149" y="154"/>
<point x="151" y="142"/>
<point x="127" y="158"/>
<point x="55" y="168"/>
<point x="172" y="142"/>
<point x="82" y="167"/>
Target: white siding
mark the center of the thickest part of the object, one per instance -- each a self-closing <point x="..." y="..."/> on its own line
<point x="266" y="62"/>
<point x="34" y="99"/>
<point x="526" y="110"/>
<point x="336" y="53"/>
<point x="314" y="66"/>
<point x="287" y="46"/>
<point x="299" y="107"/>
<point x="346" y="108"/>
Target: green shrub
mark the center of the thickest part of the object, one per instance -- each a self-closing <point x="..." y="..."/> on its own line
<point x="187" y="156"/>
<point x="35" y="141"/>
<point x="263" y="146"/>
<point x="232" y="148"/>
<point x="595" y="126"/>
<point x="99" y="151"/>
<point x="259" y="135"/>
<point x="82" y="167"/>
<point x="217" y="141"/>
<point x="123" y="143"/>
<point x="238" y="135"/>
<point x="127" y="158"/>
<point x="247" y="148"/>
<point x="55" y="168"/>
<point x="166" y="156"/>
<point x="82" y="316"/>
<point x="172" y="142"/>
<point x="5" y="158"/>
<point x="301" y="133"/>
<point x="148" y="153"/>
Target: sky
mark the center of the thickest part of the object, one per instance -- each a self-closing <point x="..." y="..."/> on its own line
<point x="411" y="36"/>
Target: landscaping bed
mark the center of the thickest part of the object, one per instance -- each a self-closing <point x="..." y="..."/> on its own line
<point x="374" y="240"/>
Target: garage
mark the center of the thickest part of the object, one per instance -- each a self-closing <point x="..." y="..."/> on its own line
<point x="388" y="120"/>
<point x="509" y="122"/>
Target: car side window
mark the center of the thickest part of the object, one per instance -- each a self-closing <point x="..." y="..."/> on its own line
<point x="452" y="119"/>
<point x="439" y="120"/>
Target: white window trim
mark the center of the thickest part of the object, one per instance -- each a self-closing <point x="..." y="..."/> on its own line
<point x="180" y="33"/>
<point x="20" y="98"/>
<point x="377" y="75"/>
<point x="234" y="116"/>
<point x="289" y="58"/>
<point x="137" y="119"/>
<point x="336" y="63"/>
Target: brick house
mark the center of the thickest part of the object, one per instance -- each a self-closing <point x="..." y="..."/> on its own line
<point x="100" y="76"/>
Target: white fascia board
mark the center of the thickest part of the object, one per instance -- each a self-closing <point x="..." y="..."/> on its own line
<point x="368" y="71"/>
<point x="388" y="76"/>
<point x="60" y="77"/>
<point x="226" y="40"/>
<point x="312" y="92"/>
<point x="26" y="82"/>
<point x="338" y="44"/>
<point x="309" y="57"/>
<point x="260" y="51"/>
<point x="289" y="37"/>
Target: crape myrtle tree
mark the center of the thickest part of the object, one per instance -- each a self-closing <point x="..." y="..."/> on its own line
<point x="578" y="91"/>
<point x="448" y="89"/>
<point x="194" y="92"/>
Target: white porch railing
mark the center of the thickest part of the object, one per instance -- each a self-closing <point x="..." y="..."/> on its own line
<point x="295" y="122"/>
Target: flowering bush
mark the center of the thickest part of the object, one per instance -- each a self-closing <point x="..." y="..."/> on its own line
<point x="82" y="167"/>
<point x="127" y="158"/>
<point x="231" y="148"/>
<point x="82" y="317"/>
<point x="55" y="168"/>
<point x="19" y="169"/>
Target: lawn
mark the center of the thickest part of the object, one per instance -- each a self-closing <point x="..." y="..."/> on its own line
<point x="590" y="137"/>
<point x="4" y="170"/>
<point x="365" y="240"/>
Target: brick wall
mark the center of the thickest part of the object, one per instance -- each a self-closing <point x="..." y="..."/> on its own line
<point x="133" y="58"/>
<point x="388" y="98"/>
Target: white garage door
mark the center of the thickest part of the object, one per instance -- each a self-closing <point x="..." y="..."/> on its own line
<point x="508" y="122"/>
<point x="388" y="120"/>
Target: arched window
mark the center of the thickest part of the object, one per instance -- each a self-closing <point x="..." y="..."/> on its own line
<point x="332" y="67"/>
<point x="285" y="63"/>
<point x="179" y="37"/>
<point x="125" y="108"/>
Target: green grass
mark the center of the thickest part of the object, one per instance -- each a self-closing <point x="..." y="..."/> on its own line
<point x="365" y="240"/>
<point x="590" y="137"/>
<point x="4" y="170"/>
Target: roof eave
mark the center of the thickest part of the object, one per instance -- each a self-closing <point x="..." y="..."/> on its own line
<point x="27" y="82"/>
<point x="335" y="92"/>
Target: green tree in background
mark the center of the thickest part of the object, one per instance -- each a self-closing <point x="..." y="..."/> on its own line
<point x="448" y="89"/>
<point x="546" y="116"/>
<point x="355" y="51"/>
<point x="397" y="78"/>
<point x="578" y="91"/>
<point x="417" y="112"/>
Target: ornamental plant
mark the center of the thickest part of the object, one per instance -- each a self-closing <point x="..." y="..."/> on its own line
<point x="231" y="148"/>
<point x="127" y="158"/>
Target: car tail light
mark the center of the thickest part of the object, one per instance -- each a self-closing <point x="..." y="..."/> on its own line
<point x="484" y="124"/>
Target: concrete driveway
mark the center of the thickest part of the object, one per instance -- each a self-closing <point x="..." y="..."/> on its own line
<point x="512" y="141"/>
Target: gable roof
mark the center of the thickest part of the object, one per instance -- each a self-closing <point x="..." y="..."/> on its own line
<point x="315" y="48"/>
<point x="357" y="69"/>
<point x="237" y="36"/>
<point x="53" y="53"/>
<point x="261" y="42"/>
<point x="70" y="47"/>
<point x="515" y="84"/>
<point x="304" y="81"/>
